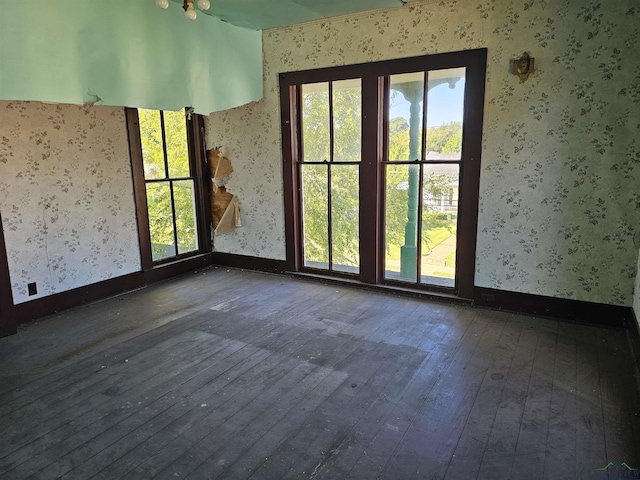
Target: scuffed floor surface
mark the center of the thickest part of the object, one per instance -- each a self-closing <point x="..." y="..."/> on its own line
<point x="234" y="375"/>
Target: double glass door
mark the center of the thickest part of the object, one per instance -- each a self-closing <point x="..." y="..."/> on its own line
<point x="404" y="182"/>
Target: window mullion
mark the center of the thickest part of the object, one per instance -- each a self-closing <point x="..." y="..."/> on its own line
<point x="173" y="216"/>
<point x="419" y="226"/>
<point x="425" y="101"/>
<point x="329" y="219"/>
<point x="175" y="179"/>
<point x="423" y="157"/>
<point x="329" y="197"/>
<point x="164" y="145"/>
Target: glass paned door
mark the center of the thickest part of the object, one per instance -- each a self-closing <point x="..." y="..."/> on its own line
<point x="381" y="172"/>
<point x="328" y="168"/>
<point x="422" y="175"/>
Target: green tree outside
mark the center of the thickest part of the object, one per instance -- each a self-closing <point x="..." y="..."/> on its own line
<point x="161" y="215"/>
<point x="345" y="180"/>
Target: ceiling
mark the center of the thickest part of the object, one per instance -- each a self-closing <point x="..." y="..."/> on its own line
<point x="264" y="14"/>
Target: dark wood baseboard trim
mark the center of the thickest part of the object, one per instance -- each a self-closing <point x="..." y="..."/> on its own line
<point x="24" y="312"/>
<point x="41" y="307"/>
<point x="559" y="308"/>
<point x="174" y="269"/>
<point x="380" y="288"/>
<point x="8" y="326"/>
<point x="249" y="263"/>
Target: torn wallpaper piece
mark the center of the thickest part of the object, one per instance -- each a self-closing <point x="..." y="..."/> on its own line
<point x="231" y="217"/>
<point x="219" y="165"/>
<point x="225" y="211"/>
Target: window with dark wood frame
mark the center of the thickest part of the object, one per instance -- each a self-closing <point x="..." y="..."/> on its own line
<point x="374" y="79"/>
<point x="170" y="185"/>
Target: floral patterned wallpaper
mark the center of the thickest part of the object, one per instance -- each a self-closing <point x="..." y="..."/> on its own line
<point x="560" y="185"/>
<point x="66" y="196"/>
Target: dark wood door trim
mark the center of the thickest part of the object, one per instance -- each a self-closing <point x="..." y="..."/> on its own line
<point x="8" y="324"/>
<point x="470" y="172"/>
<point x="370" y="180"/>
<point x="139" y="192"/>
<point x="371" y="176"/>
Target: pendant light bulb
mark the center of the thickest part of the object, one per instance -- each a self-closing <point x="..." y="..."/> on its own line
<point x="163" y="4"/>
<point x="204" y="4"/>
<point x="190" y="12"/>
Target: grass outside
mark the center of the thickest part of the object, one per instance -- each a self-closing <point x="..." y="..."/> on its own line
<point x="450" y="260"/>
<point x="432" y="237"/>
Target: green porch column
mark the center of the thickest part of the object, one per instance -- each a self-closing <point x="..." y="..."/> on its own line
<point x="413" y="93"/>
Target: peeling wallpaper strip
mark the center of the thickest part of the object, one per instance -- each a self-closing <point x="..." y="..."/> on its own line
<point x="560" y="195"/>
<point x="66" y="196"/>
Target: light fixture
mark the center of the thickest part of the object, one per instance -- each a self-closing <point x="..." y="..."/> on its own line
<point x="189" y="11"/>
<point x="187" y="5"/>
<point x="523" y="66"/>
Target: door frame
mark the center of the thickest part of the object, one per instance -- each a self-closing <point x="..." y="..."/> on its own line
<point x="371" y="219"/>
<point x="8" y="325"/>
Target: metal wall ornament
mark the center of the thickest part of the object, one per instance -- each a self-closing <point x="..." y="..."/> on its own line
<point x="523" y="66"/>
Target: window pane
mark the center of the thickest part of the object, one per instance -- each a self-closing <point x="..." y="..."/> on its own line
<point x="160" y="220"/>
<point x="347" y="121"/>
<point x="175" y="130"/>
<point x="401" y="222"/>
<point x="444" y="114"/>
<point x="439" y="221"/>
<point x="405" y="116"/>
<point x="345" y="214"/>
<point x="315" y="122"/>
<point x="151" y="140"/>
<point x="186" y="228"/>
<point x="315" y="216"/>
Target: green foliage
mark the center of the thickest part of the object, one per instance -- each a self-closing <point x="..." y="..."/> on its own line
<point x="399" y="143"/>
<point x="345" y="215"/>
<point x="450" y="260"/>
<point x="161" y="215"/>
<point x="346" y="125"/>
<point x="446" y="138"/>
<point x="396" y="199"/>
<point x="344" y="185"/>
<point x="315" y="214"/>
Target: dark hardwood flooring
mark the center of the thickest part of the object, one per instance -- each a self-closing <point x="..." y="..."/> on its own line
<point x="233" y="374"/>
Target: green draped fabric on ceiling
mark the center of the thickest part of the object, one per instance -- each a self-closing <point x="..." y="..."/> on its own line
<point x="125" y="53"/>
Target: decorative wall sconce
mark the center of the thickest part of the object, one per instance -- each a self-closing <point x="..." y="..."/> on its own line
<point x="523" y="66"/>
<point x="187" y="5"/>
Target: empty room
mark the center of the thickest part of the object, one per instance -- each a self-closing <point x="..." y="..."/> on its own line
<point x="361" y="239"/>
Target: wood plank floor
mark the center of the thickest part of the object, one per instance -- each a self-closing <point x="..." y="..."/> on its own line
<point x="235" y="375"/>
